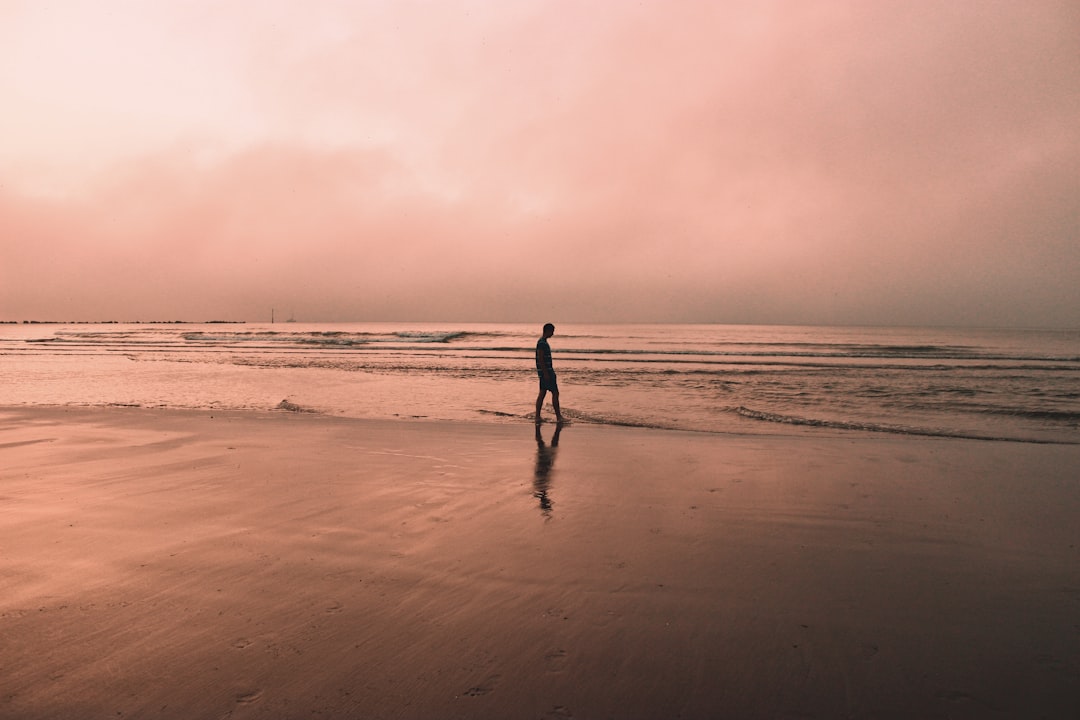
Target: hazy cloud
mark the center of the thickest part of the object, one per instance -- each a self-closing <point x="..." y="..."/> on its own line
<point x="887" y="162"/>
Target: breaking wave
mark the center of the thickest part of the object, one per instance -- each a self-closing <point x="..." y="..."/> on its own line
<point x="771" y="417"/>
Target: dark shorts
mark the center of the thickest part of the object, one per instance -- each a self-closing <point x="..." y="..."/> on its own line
<point x="552" y="385"/>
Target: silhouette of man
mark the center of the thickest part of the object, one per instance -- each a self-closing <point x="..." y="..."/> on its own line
<point x="546" y="372"/>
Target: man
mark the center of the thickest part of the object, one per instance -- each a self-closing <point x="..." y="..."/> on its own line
<point x="547" y="374"/>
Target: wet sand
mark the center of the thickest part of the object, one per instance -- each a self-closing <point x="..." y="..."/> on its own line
<point x="183" y="564"/>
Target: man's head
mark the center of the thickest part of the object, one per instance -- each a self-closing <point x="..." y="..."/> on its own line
<point x="549" y="330"/>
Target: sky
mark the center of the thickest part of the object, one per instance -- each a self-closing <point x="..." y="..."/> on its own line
<point x="894" y="162"/>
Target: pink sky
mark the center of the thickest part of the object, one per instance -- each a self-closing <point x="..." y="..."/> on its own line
<point x="842" y="162"/>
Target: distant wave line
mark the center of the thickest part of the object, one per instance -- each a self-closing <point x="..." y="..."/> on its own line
<point x="343" y="339"/>
<point x="739" y="348"/>
<point x="571" y="362"/>
<point x="713" y="367"/>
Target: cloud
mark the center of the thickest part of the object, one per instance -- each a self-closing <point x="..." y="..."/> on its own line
<point x="732" y="162"/>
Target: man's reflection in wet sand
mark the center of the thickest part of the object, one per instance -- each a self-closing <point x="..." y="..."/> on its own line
<point x="545" y="458"/>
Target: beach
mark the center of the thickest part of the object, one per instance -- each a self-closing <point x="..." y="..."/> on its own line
<point x="231" y="564"/>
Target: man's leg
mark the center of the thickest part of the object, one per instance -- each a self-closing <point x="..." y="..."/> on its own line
<point x="555" y="404"/>
<point x="540" y="403"/>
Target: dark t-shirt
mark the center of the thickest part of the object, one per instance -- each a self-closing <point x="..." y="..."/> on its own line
<point x="543" y="355"/>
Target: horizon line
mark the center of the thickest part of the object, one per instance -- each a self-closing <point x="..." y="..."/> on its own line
<point x="292" y="321"/>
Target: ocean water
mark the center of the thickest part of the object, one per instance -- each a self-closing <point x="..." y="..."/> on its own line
<point x="1014" y="385"/>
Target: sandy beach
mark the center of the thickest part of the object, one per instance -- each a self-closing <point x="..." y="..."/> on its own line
<point x="197" y="564"/>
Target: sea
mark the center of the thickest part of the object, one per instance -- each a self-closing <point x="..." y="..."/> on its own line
<point x="1014" y="385"/>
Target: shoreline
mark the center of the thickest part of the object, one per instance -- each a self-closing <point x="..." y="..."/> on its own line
<point x="788" y="426"/>
<point x="168" y="563"/>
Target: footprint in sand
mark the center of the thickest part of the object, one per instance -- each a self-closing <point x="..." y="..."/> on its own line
<point x="334" y="607"/>
<point x="955" y="696"/>
<point x="247" y="698"/>
<point x="488" y="686"/>
<point x="555" y="613"/>
<point x="1049" y="661"/>
<point x="555" y="661"/>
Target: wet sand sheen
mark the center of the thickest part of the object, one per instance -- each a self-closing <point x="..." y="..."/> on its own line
<point x="183" y="564"/>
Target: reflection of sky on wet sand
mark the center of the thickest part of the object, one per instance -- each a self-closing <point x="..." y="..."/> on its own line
<point x="545" y="460"/>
